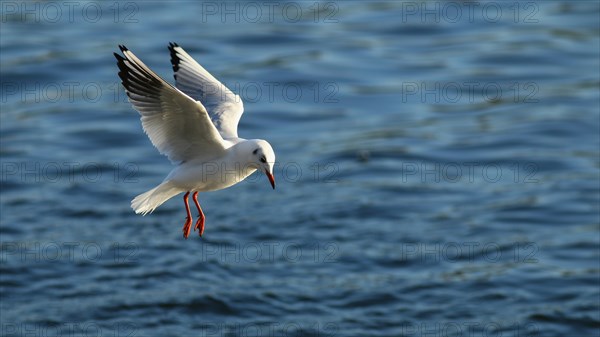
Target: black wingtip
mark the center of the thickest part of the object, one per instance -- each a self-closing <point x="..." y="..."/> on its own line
<point x="174" y="57"/>
<point x="123" y="48"/>
<point x="119" y="57"/>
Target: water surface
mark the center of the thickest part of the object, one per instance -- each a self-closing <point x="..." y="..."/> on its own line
<point x="438" y="172"/>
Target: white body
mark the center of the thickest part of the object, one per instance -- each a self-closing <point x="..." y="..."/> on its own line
<point x="198" y="175"/>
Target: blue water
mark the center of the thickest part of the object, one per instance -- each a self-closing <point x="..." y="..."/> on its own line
<point x="438" y="172"/>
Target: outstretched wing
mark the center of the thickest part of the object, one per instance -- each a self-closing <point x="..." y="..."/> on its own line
<point x="178" y="126"/>
<point x="224" y="107"/>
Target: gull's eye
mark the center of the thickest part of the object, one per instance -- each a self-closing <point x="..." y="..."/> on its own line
<point x="263" y="159"/>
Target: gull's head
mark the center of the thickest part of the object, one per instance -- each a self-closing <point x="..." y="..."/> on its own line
<point x="262" y="157"/>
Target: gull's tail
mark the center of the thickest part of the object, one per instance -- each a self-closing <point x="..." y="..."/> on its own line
<point x="147" y="202"/>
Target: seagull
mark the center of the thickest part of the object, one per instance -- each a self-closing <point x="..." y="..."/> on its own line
<point x="194" y="124"/>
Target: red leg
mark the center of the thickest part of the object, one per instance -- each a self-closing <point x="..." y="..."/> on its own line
<point x="187" y="227"/>
<point x="200" y="222"/>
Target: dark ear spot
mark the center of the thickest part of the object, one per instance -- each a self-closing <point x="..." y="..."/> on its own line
<point x="254" y="152"/>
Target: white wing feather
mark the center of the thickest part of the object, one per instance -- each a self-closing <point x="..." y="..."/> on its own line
<point x="224" y="107"/>
<point x="178" y="126"/>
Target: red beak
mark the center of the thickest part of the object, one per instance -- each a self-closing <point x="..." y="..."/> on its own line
<point x="271" y="178"/>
